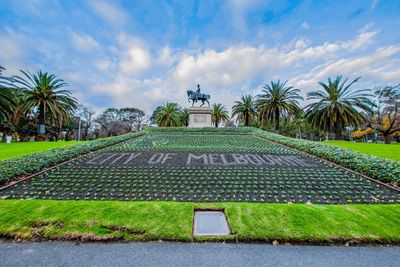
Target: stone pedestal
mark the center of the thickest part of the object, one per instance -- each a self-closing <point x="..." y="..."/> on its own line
<point x="200" y="117"/>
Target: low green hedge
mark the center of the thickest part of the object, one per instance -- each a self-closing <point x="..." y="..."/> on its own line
<point x="385" y="170"/>
<point x="35" y="162"/>
<point x="228" y="130"/>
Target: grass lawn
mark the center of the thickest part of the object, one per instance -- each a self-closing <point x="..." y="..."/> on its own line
<point x="143" y="221"/>
<point x="16" y="149"/>
<point x="391" y="151"/>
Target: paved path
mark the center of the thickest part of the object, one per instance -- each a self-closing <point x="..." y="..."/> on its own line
<point x="191" y="254"/>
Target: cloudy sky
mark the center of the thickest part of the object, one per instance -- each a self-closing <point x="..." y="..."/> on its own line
<point x="145" y="53"/>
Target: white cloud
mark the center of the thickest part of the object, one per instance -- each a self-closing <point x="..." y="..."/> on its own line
<point x="363" y="40"/>
<point x="373" y="67"/>
<point x="84" y="42"/>
<point x="109" y="12"/>
<point x="135" y="60"/>
<point x="238" y="69"/>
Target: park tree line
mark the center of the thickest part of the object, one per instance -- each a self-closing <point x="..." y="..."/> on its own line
<point x="336" y="111"/>
<point x="40" y="106"/>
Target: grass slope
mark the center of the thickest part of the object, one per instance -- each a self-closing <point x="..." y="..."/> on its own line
<point x="16" y="149"/>
<point x="391" y="151"/>
<point x="142" y="221"/>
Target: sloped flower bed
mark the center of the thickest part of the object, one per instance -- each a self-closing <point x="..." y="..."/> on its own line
<point x="385" y="170"/>
<point x="136" y="170"/>
<point x="35" y="162"/>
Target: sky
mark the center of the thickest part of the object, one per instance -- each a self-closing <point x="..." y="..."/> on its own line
<point x="145" y="53"/>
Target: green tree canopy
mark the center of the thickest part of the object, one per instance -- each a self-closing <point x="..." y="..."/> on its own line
<point x="245" y="109"/>
<point x="168" y="115"/>
<point x="46" y="93"/>
<point x="278" y="100"/>
<point x="6" y="98"/>
<point x="338" y="106"/>
<point x="219" y="113"/>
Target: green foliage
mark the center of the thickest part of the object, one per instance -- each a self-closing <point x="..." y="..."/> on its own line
<point x="337" y="106"/>
<point x="46" y="92"/>
<point x="245" y="110"/>
<point x="168" y="115"/>
<point x="6" y="99"/>
<point x="177" y="130"/>
<point x="278" y="100"/>
<point x="381" y="169"/>
<point x="184" y="142"/>
<point x="219" y="113"/>
<point x="35" y="162"/>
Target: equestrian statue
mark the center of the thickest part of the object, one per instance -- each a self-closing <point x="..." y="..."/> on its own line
<point x="195" y="96"/>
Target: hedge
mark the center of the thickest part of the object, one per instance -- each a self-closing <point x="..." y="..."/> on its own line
<point x="227" y="130"/>
<point x="385" y="170"/>
<point x="35" y="162"/>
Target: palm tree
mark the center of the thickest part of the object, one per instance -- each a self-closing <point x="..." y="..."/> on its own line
<point x="219" y="113"/>
<point x="6" y="97"/>
<point x="278" y="100"/>
<point x="184" y="117"/>
<point x="337" y="106"/>
<point x="168" y="115"/>
<point x="245" y="109"/>
<point x="43" y="91"/>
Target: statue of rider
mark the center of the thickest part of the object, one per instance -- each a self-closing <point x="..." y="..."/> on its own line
<point x="198" y="93"/>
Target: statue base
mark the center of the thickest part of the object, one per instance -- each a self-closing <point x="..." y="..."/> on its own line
<point x="200" y="117"/>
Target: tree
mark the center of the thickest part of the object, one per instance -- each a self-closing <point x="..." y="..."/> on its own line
<point x="168" y="115"/>
<point x="6" y="98"/>
<point x="386" y="118"/>
<point x="278" y="100"/>
<point x="115" y="121"/>
<point x="245" y="109"/>
<point x="133" y="116"/>
<point x="43" y="91"/>
<point x="184" y="117"/>
<point x="219" y="113"/>
<point x="338" y="106"/>
<point x="87" y="114"/>
<point x="21" y="123"/>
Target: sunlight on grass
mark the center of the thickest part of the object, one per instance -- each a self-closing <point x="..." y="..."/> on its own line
<point x="389" y="151"/>
<point x="16" y="149"/>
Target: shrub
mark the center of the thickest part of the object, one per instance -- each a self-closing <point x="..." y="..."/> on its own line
<point x="35" y="162"/>
<point x="385" y="170"/>
<point x="223" y="130"/>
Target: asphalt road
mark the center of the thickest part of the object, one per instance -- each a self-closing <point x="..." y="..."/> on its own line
<point x="191" y="254"/>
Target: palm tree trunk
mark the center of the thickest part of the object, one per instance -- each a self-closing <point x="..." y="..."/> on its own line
<point x="246" y="119"/>
<point x="338" y="134"/>
<point x="277" y="131"/>
<point x="41" y="123"/>
<point x="216" y="122"/>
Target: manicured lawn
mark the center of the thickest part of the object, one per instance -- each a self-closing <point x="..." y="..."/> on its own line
<point x="390" y="151"/>
<point x="143" y="221"/>
<point x="17" y="149"/>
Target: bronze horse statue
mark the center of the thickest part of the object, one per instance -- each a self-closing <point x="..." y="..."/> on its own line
<point x="194" y="96"/>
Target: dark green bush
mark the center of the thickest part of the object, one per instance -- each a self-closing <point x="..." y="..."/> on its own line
<point x="230" y="130"/>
